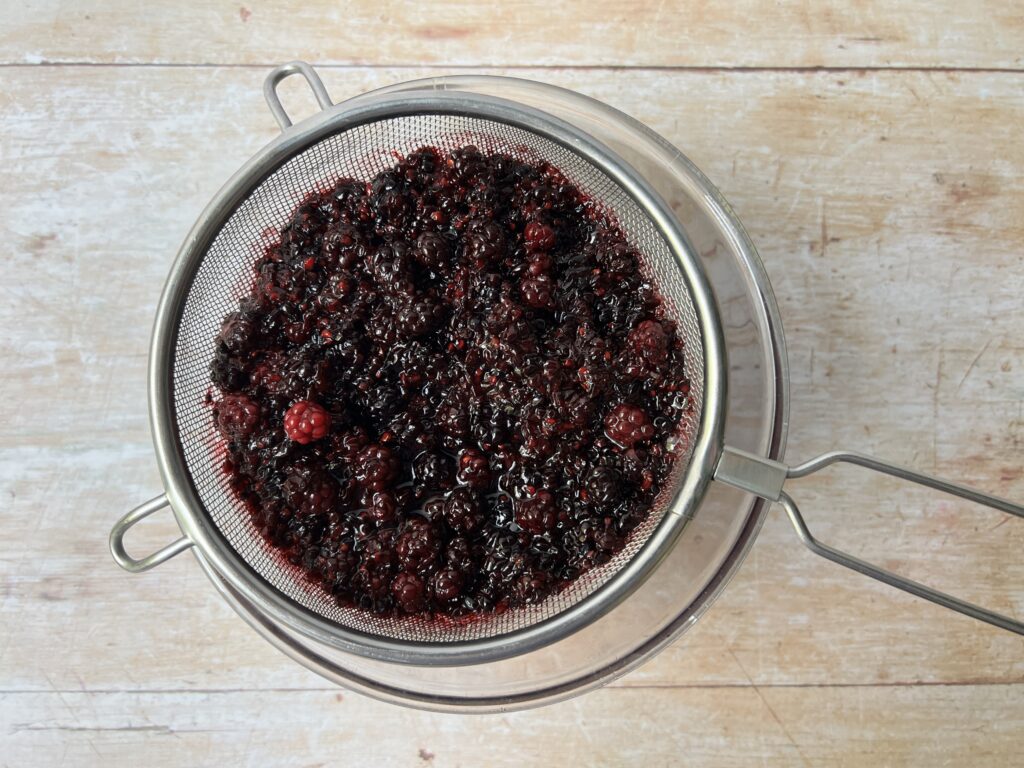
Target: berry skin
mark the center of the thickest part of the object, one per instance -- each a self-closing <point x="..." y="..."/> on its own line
<point x="433" y="251"/>
<point x="462" y="510"/>
<point x="418" y="546"/>
<point x="237" y="416"/>
<point x="537" y="514"/>
<point x="626" y="425"/>
<point x="538" y="236"/>
<point x="306" y="422"/>
<point x="407" y="589"/>
<point x="383" y="508"/>
<point x="538" y="292"/>
<point x="375" y="467"/>
<point x="446" y="584"/>
<point x="604" y="487"/>
<point x="474" y="469"/>
<point x="649" y="341"/>
<point x="310" y="492"/>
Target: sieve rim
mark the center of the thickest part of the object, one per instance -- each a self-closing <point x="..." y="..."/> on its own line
<point x="213" y="546"/>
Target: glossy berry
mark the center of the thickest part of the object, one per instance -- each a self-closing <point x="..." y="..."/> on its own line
<point x="418" y="317"/>
<point x="462" y="510"/>
<point x="432" y="471"/>
<point x="474" y="469"/>
<point x="383" y="508"/>
<point x="407" y="589"/>
<point x="628" y="425"/>
<point x="531" y="587"/>
<point x="604" y="487"/>
<point x="375" y="467"/>
<point x="433" y="251"/>
<point x="538" y="236"/>
<point x="537" y="513"/>
<point x="538" y="292"/>
<point x="649" y="340"/>
<point x="237" y="416"/>
<point x="310" y="492"/>
<point x="237" y="333"/>
<point x="446" y="584"/>
<point x="418" y="545"/>
<point x="539" y="264"/>
<point x="306" y="422"/>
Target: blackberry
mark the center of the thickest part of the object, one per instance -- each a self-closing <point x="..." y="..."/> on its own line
<point x="475" y="380"/>
<point x="538" y="236"/>
<point x="603" y="488"/>
<point x="462" y="510"/>
<point x="237" y="416"/>
<point x="474" y="469"/>
<point x="446" y="584"/>
<point x="432" y="471"/>
<point x="306" y="422"/>
<point x="419" y="317"/>
<point x="628" y="425"/>
<point x="537" y="513"/>
<point x="418" y="545"/>
<point x="375" y="467"/>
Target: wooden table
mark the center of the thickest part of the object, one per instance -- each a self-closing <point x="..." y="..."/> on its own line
<point x="875" y="152"/>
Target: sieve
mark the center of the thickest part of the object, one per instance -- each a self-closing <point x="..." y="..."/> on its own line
<point x="358" y="138"/>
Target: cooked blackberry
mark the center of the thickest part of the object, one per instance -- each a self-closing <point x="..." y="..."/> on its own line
<point x="450" y="387"/>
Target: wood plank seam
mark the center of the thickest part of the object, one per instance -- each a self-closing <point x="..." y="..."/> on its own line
<point x="527" y="67"/>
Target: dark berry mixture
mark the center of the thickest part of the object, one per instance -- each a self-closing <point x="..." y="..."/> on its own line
<point x="450" y="389"/>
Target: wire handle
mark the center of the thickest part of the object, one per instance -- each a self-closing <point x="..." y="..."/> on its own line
<point x="280" y="73"/>
<point x="121" y="527"/>
<point x="766" y="478"/>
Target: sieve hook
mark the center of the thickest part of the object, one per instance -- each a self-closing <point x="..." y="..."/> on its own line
<point x="121" y="527"/>
<point x="280" y="73"/>
<point x="765" y="478"/>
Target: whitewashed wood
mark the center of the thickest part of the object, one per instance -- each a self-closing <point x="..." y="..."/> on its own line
<point x="888" y="209"/>
<point x="721" y="727"/>
<point x="528" y="33"/>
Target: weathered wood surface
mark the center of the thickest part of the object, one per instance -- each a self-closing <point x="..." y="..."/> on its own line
<point x="985" y="34"/>
<point x="889" y="209"/>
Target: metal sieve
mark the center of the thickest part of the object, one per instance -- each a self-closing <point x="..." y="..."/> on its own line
<point x="359" y="139"/>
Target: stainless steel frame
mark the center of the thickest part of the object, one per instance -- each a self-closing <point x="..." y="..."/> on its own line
<point x="181" y="494"/>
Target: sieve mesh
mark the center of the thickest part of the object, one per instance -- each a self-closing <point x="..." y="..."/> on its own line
<point x="225" y="274"/>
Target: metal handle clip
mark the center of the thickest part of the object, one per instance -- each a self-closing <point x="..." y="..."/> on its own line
<point x="117" y="534"/>
<point x="280" y="73"/>
<point x="765" y="478"/>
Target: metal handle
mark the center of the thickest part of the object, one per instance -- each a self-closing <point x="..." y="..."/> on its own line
<point x="280" y="73"/>
<point x="765" y="478"/>
<point x="117" y="534"/>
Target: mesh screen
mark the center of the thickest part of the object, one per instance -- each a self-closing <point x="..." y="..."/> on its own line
<point x="225" y="273"/>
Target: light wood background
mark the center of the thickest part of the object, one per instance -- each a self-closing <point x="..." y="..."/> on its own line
<point x="875" y="151"/>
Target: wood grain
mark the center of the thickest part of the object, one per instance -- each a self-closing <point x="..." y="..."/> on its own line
<point x="888" y="208"/>
<point x="521" y="33"/>
<point x="726" y="727"/>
